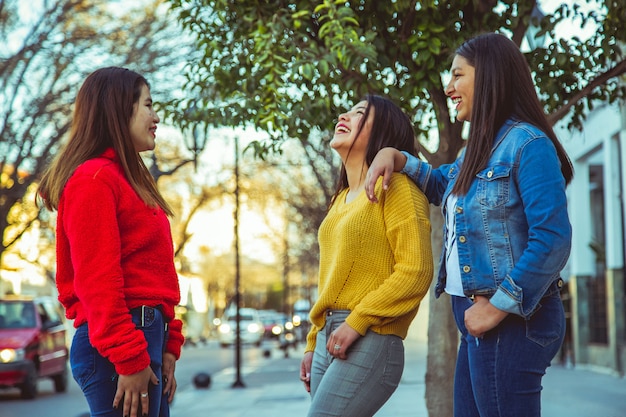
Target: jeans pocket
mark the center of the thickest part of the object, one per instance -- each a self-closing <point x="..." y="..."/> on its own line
<point x="150" y="322"/>
<point x="546" y="325"/>
<point x="145" y="317"/>
<point x="82" y="357"/>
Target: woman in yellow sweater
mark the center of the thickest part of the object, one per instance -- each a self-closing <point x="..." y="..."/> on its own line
<point x="375" y="267"/>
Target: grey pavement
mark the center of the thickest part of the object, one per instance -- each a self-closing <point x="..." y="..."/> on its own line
<point x="568" y="391"/>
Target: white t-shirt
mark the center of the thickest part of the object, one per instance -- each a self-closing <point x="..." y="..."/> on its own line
<point x="454" y="286"/>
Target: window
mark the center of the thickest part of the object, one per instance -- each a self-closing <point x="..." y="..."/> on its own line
<point x="597" y="288"/>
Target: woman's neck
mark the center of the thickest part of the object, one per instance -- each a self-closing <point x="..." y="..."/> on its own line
<point x="355" y="172"/>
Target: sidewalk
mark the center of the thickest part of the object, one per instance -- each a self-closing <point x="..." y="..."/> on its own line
<point x="567" y="392"/>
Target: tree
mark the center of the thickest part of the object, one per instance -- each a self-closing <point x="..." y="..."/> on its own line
<point x="288" y="66"/>
<point x="177" y="180"/>
<point x="298" y="183"/>
<point x="48" y="51"/>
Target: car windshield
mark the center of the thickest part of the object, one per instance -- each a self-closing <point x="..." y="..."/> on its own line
<point x="17" y="314"/>
<point x="242" y="317"/>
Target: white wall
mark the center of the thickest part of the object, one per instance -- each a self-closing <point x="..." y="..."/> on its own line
<point x="596" y="143"/>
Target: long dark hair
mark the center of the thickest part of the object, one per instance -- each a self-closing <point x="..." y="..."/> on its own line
<point x="102" y="113"/>
<point x="503" y="88"/>
<point x="391" y="127"/>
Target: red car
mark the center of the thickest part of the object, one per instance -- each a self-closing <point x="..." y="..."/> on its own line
<point x="32" y="344"/>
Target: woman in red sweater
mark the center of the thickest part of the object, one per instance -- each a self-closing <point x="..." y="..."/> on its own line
<point x="115" y="262"/>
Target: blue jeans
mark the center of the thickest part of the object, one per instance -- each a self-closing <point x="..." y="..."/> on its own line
<point x="359" y="385"/>
<point x="97" y="378"/>
<point x="499" y="374"/>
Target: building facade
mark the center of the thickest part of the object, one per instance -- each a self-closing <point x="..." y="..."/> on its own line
<point x="595" y="297"/>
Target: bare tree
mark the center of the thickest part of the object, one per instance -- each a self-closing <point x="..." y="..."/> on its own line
<point x="47" y="52"/>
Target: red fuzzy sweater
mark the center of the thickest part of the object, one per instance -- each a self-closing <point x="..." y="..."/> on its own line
<point x="114" y="253"/>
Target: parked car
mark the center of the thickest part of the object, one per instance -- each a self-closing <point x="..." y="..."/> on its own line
<point x="272" y="323"/>
<point x="300" y="321"/>
<point x="251" y="327"/>
<point x="32" y="344"/>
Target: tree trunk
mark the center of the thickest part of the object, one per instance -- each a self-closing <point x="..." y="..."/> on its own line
<point x="442" y="337"/>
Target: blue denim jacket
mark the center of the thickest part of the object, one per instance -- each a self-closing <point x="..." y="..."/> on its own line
<point x="512" y="227"/>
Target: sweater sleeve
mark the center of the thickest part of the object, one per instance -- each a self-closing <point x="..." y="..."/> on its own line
<point x="91" y="226"/>
<point x="407" y="224"/>
<point x="175" y="338"/>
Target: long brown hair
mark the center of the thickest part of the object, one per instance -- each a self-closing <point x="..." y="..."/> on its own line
<point x="503" y="88"/>
<point x="102" y="114"/>
<point x="391" y="127"/>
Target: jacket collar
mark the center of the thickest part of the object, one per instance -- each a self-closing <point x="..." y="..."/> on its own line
<point x="502" y="132"/>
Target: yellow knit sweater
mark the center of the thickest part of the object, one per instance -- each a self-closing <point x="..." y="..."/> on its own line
<point x="375" y="260"/>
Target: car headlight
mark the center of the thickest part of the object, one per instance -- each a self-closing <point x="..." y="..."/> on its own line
<point x="225" y="328"/>
<point x="11" y="355"/>
<point x="289" y="325"/>
<point x="277" y="330"/>
<point x="254" y="328"/>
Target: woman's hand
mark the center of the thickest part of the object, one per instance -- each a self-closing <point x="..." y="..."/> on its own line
<point x="305" y="370"/>
<point x="340" y="340"/>
<point x="169" y="365"/>
<point x="134" y="390"/>
<point x="482" y="317"/>
<point x="386" y="161"/>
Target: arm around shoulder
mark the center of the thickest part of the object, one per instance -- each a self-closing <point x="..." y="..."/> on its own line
<point x="387" y="161"/>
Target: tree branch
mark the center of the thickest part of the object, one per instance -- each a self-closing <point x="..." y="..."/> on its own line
<point x="601" y="79"/>
<point x="156" y="171"/>
<point x="520" y="30"/>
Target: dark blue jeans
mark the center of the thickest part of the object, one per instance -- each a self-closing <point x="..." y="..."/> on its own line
<point x="97" y="378"/>
<point x="499" y="375"/>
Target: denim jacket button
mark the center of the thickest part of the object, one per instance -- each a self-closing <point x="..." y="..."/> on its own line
<point x="462" y="239"/>
<point x="466" y="268"/>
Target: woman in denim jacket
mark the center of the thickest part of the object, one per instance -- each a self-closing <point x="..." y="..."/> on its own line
<point x="507" y="233"/>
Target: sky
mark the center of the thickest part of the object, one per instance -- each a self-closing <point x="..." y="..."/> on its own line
<point x="214" y="227"/>
<point x="569" y="29"/>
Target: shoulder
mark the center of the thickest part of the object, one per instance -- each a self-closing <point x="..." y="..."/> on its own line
<point x="97" y="175"/>
<point x="402" y="188"/>
<point x="515" y="136"/>
<point x="399" y="181"/>
<point x="523" y="131"/>
<point x="99" y="168"/>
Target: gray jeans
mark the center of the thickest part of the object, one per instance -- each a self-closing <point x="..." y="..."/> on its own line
<point x="359" y="385"/>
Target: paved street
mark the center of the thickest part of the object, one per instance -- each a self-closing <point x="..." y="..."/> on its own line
<point x="273" y="390"/>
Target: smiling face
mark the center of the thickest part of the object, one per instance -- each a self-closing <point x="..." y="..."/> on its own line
<point x="143" y="123"/>
<point x="348" y="139"/>
<point x="460" y="89"/>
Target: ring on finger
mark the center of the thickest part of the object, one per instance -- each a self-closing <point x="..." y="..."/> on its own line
<point x="144" y="395"/>
<point x="337" y="347"/>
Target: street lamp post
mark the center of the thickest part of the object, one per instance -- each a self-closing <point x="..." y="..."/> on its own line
<point x="238" y="382"/>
